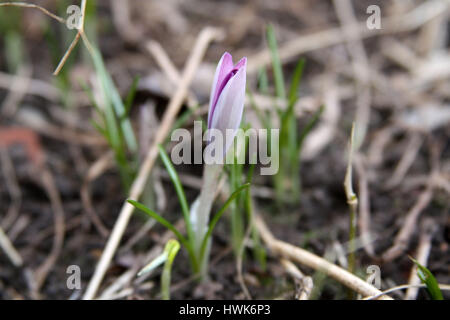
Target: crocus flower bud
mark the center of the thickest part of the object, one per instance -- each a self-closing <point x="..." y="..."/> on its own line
<point x="227" y="97"/>
<point x="225" y="113"/>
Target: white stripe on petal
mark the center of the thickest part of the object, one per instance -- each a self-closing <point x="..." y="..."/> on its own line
<point x="224" y="66"/>
<point x="228" y="111"/>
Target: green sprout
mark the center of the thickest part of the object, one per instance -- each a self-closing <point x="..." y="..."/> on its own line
<point x="167" y="257"/>
<point x="429" y="280"/>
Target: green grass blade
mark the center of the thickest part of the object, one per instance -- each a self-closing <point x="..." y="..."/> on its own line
<point x="289" y="121"/>
<point x="111" y="125"/>
<point x="100" y="129"/>
<point x="263" y="82"/>
<point x="429" y="280"/>
<point x="216" y="218"/>
<point x="179" y="189"/>
<point x="171" y="250"/>
<point x="160" y="219"/>
<point x="112" y="95"/>
<point x="276" y="64"/>
<point x="130" y="97"/>
<point x="293" y="90"/>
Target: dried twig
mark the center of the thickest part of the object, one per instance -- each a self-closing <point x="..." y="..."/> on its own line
<point x="35" y="6"/>
<point x="315" y="262"/>
<point x="405" y="286"/>
<point x="206" y="36"/>
<point x="304" y="283"/>
<point x="168" y="68"/>
<point x="9" y="249"/>
<point x="79" y="34"/>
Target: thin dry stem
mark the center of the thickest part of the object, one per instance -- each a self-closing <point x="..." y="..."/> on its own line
<point x="403" y="287"/>
<point x="352" y="201"/>
<point x="30" y="5"/>
<point x="79" y="34"/>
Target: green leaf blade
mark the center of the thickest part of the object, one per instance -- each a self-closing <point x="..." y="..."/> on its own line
<point x="159" y="219"/>
<point x="429" y="280"/>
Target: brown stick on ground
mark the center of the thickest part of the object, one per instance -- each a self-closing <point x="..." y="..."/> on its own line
<point x="315" y="262"/>
<point x="206" y="36"/>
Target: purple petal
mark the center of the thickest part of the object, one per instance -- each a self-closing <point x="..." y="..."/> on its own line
<point x="223" y="69"/>
<point x="241" y="63"/>
<point x="230" y="104"/>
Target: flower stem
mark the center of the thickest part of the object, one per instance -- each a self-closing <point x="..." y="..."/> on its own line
<point x="201" y="210"/>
